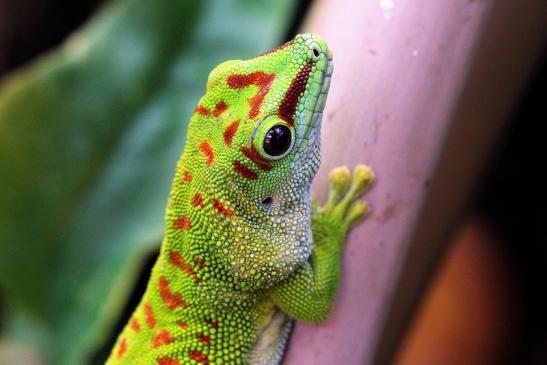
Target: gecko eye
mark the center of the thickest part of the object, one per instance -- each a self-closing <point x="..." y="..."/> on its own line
<point x="277" y="140"/>
<point x="273" y="138"/>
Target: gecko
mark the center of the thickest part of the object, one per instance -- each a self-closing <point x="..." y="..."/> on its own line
<point x="245" y="250"/>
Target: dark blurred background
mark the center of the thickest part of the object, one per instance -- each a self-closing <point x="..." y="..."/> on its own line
<point x="31" y="27"/>
<point x="500" y="253"/>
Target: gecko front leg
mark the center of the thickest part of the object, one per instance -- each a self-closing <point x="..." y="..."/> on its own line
<point x="309" y="292"/>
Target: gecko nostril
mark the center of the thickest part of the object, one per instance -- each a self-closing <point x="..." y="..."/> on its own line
<point x="316" y="52"/>
<point x="268" y="201"/>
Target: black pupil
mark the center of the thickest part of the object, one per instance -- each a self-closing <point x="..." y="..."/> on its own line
<point x="315" y="52"/>
<point x="277" y="141"/>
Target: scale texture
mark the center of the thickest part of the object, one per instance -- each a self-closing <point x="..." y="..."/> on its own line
<point x="245" y="250"/>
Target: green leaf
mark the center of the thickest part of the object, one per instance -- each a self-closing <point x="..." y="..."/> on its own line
<point x="89" y="138"/>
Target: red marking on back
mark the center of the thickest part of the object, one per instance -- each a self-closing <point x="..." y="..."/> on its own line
<point x="204" y="339"/>
<point x="187" y="177"/>
<point x="212" y="323"/>
<point x="182" y="325"/>
<point x="122" y="348"/>
<point x="197" y="200"/>
<point x="199" y="357"/>
<point x="220" y="108"/>
<point x="182" y="223"/>
<point x="149" y="315"/>
<point x="199" y="262"/>
<point x="167" y="361"/>
<point x="135" y="326"/>
<point x="200" y="109"/>
<point x="221" y="208"/>
<point x="260" y="79"/>
<point x="230" y="132"/>
<point x="244" y="171"/>
<point x="162" y="338"/>
<point x="287" y="108"/>
<point x="207" y="150"/>
<point x="253" y="155"/>
<point x="176" y="259"/>
<point x="172" y="300"/>
<point x="278" y="48"/>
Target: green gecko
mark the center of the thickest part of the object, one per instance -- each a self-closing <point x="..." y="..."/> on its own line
<point x="245" y="250"/>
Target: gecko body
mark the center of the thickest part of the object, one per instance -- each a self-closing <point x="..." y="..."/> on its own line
<point x="244" y="250"/>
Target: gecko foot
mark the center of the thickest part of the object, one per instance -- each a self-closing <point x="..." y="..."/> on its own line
<point x="345" y="188"/>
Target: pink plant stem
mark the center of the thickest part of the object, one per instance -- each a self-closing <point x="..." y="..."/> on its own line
<point x="420" y="91"/>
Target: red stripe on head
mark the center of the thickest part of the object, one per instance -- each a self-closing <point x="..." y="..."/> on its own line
<point x="199" y="357"/>
<point x="221" y="208"/>
<point x="253" y="155"/>
<point x="212" y="323"/>
<point x="199" y="262"/>
<point x="122" y="349"/>
<point x="182" y="325"/>
<point x="206" y="148"/>
<point x="149" y="315"/>
<point x="220" y="108"/>
<point x="287" y="108"/>
<point x="230" y="132"/>
<point x="186" y="177"/>
<point x="176" y="259"/>
<point x="204" y="339"/>
<point x="162" y="338"/>
<point x="135" y="326"/>
<point x="172" y="300"/>
<point x="182" y="223"/>
<point x="244" y="171"/>
<point x="201" y="110"/>
<point x="260" y="79"/>
<point x="197" y="201"/>
<point x="167" y="361"/>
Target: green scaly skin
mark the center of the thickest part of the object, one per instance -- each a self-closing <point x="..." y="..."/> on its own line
<point x="245" y="251"/>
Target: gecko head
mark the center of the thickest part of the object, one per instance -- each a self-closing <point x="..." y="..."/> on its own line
<point x="270" y="116"/>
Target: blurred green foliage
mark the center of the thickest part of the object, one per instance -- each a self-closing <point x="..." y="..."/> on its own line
<point x="89" y="138"/>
